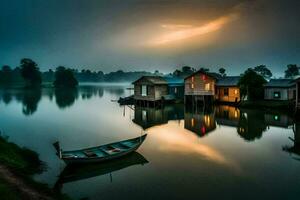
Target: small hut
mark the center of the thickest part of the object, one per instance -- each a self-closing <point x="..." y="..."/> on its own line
<point x="150" y="89"/>
<point x="280" y="89"/>
<point x="200" y="86"/>
<point x="227" y="89"/>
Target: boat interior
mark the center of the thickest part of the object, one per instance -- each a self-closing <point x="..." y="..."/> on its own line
<point x="101" y="151"/>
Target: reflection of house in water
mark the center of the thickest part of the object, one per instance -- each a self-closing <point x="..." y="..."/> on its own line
<point x="147" y="117"/>
<point x="199" y="121"/>
<point x="295" y="148"/>
<point x="278" y="120"/>
<point x="227" y="115"/>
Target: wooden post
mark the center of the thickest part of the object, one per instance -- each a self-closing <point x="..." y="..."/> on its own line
<point x="297" y="95"/>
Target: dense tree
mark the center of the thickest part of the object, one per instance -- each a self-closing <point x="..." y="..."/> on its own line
<point x="184" y="72"/>
<point x="263" y="71"/>
<point x="30" y="72"/>
<point x="292" y="71"/>
<point x="187" y="69"/>
<point x="64" y="78"/>
<point x="204" y="69"/>
<point x="48" y="76"/>
<point x="6" y="75"/>
<point x="251" y="85"/>
<point x="222" y="71"/>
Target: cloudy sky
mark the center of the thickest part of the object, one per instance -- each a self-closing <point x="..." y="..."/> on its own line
<point x="151" y="34"/>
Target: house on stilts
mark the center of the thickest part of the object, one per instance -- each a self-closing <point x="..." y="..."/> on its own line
<point x="156" y="90"/>
<point x="200" y="87"/>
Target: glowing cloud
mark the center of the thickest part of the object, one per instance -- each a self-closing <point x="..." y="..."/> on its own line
<point x="182" y="141"/>
<point x="182" y="32"/>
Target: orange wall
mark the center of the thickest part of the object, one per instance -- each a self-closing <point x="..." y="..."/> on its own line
<point x="233" y="94"/>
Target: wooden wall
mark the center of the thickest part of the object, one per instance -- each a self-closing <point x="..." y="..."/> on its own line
<point x="180" y="91"/>
<point x="155" y="92"/>
<point x="232" y="95"/>
<point x="285" y="93"/>
<point x="199" y="85"/>
<point x="160" y="90"/>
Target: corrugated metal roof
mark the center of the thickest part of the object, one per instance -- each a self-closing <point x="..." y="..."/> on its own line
<point x="211" y="74"/>
<point x="280" y="83"/>
<point x="153" y="79"/>
<point x="228" y="81"/>
<point x="171" y="80"/>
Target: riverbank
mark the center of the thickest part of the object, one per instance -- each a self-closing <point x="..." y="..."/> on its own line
<point x="17" y="165"/>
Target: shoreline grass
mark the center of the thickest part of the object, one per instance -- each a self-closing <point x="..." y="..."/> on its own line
<point x="17" y="165"/>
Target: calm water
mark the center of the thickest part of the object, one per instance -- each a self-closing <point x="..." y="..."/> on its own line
<point x="216" y="153"/>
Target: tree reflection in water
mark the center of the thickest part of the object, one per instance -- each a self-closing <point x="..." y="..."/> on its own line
<point x="6" y="97"/>
<point x="251" y="124"/>
<point x="65" y="97"/>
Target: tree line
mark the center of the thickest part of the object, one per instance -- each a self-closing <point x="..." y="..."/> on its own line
<point x="29" y="75"/>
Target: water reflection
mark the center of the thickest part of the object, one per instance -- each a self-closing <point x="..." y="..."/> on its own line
<point x="64" y="98"/>
<point x="250" y="124"/>
<point x="227" y="115"/>
<point x="88" y="92"/>
<point x="79" y="172"/>
<point x="294" y="149"/>
<point x="278" y="120"/>
<point x="147" y="117"/>
<point x="199" y="120"/>
<point x="6" y="97"/>
<point x="238" y="149"/>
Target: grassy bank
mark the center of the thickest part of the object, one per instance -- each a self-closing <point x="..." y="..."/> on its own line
<point x="17" y="165"/>
<point x="268" y="104"/>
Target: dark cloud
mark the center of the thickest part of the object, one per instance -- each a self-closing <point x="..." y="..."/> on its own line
<point x="102" y="35"/>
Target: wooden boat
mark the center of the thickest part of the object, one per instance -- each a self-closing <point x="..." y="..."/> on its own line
<point x="101" y="153"/>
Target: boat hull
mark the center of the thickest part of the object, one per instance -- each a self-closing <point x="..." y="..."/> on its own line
<point x="69" y="161"/>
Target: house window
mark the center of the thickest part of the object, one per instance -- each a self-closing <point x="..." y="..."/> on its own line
<point x="235" y="91"/>
<point x="193" y="79"/>
<point x="277" y="95"/>
<point x="192" y="86"/>
<point x="144" y="90"/>
<point x="175" y="90"/>
<point x="235" y="114"/>
<point x="226" y="91"/>
<point x="207" y="86"/>
<point x="276" y="118"/>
